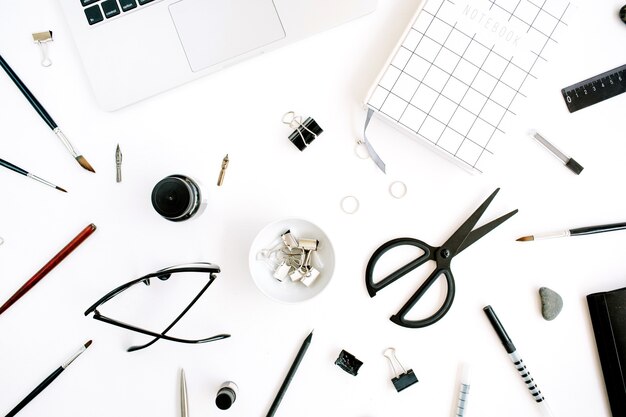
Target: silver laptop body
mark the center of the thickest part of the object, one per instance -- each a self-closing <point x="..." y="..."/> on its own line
<point x="133" y="49"/>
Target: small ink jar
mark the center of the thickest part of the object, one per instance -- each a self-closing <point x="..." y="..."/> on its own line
<point x="176" y="198"/>
<point x="226" y="395"/>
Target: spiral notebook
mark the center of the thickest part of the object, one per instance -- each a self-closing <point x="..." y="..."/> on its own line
<point x="454" y="78"/>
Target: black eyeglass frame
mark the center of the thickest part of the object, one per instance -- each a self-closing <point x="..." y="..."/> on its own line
<point x="163" y="275"/>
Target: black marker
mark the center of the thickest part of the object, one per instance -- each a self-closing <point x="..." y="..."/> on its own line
<point x="517" y="361"/>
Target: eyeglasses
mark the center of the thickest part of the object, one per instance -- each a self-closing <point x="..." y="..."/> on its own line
<point x="163" y="275"/>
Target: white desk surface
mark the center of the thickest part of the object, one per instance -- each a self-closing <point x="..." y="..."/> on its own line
<point x="238" y="111"/>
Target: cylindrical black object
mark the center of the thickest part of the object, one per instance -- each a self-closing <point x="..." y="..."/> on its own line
<point x="622" y="14"/>
<point x="176" y="197"/>
<point x="226" y="395"/>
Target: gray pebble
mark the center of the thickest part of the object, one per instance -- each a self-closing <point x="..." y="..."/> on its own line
<point x="551" y="303"/>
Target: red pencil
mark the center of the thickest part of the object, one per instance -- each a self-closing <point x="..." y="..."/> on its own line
<point x="80" y="238"/>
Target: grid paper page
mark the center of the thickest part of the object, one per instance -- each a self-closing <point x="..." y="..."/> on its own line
<point x="454" y="78"/>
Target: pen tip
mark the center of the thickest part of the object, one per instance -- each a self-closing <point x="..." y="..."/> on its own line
<point x="83" y="163"/>
<point x="60" y="189"/>
<point x="88" y="343"/>
<point x="525" y="239"/>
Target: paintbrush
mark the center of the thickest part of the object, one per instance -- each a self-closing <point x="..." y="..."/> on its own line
<point x="47" y="381"/>
<point x="589" y="230"/>
<point x="19" y="170"/>
<point x="44" y="114"/>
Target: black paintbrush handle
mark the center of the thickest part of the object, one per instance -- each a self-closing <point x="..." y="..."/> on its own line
<point x="36" y="391"/>
<point x="29" y="96"/>
<point x="12" y="167"/>
<point x="589" y="230"/>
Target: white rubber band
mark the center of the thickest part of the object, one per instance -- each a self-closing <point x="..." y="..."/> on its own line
<point x="349" y="204"/>
<point x="397" y="189"/>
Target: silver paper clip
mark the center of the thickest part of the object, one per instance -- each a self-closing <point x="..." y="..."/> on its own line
<point x="42" y="39"/>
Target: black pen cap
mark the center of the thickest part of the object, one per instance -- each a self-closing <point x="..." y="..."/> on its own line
<point x="497" y="326"/>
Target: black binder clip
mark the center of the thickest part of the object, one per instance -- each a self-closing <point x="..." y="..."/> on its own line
<point x="304" y="132"/>
<point x="401" y="380"/>
<point x="348" y="362"/>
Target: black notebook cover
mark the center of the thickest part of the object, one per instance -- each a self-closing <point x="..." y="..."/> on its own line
<point x="608" y="316"/>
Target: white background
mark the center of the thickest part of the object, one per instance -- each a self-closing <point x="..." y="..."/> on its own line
<point x="238" y="111"/>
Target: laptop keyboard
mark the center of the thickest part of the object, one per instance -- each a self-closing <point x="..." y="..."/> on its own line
<point x="97" y="11"/>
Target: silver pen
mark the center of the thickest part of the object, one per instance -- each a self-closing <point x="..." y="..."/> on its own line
<point x="184" y="406"/>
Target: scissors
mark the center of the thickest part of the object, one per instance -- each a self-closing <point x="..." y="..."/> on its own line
<point x="463" y="237"/>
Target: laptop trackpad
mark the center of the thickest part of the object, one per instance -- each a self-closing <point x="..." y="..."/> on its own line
<point x="213" y="31"/>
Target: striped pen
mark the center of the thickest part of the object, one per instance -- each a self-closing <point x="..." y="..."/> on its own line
<point x="464" y="387"/>
<point x="518" y="361"/>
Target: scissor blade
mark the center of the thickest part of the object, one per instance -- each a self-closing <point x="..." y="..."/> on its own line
<point x="456" y="240"/>
<point x="483" y="230"/>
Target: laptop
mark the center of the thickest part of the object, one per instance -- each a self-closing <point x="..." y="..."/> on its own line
<point x="134" y="49"/>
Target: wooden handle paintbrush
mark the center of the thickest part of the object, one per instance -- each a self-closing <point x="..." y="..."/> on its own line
<point x="44" y="114"/>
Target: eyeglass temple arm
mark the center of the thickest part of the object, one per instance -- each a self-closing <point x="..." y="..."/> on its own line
<point x="167" y="329"/>
<point x="106" y="319"/>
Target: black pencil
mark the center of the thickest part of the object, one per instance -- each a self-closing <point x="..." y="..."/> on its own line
<point x="19" y="170"/>
<point x="589" y="230"/>
<point x="44" y="114"/>
<point x="290" y="374"/>
<point x="47" y="381"/>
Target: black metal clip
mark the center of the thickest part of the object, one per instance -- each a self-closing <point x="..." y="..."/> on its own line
<point x="401" y="380"/>
<point x="348" y="362"/>
<point x="305" y="132"/>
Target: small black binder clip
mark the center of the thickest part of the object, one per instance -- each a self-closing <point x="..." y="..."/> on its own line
<point x="348" y="362"/>
<point x="401" y="380"/>
<point x="304" y="132"/>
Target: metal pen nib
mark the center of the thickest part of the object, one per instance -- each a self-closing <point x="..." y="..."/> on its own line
<point x="118" y="164"/>
<point x="220" y="179"/>
<point x="184" y="406"/>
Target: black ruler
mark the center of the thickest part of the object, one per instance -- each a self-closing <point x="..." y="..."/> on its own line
<point x="595" y="89"/>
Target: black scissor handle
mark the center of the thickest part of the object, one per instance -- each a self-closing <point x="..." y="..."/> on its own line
<point x="374" y="287"/>
<point x="399" y="317"/>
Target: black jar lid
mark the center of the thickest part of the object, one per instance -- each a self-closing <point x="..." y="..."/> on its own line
<point x="225" y="398"/>
<point x="176" y="197"/>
